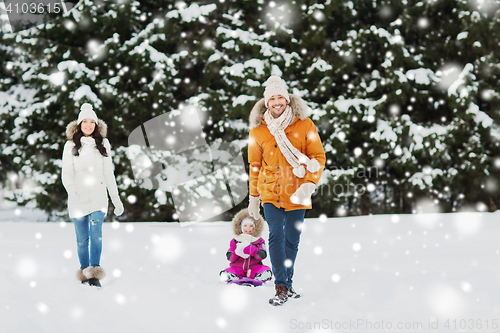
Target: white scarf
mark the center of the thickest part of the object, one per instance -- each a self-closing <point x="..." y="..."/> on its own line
<point x="277" y="128"/>
<point x="245" y="238"/>
<point x="87" y="152"/>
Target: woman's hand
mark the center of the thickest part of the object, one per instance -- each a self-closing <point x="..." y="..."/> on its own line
<point x="118" y="206"/>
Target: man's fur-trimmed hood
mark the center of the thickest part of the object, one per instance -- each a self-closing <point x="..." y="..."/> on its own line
<point x="298" y="105"/>
<point x="73" y="127"/>
<point x="243" y="214"/>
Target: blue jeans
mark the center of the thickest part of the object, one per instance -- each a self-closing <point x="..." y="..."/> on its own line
<point x="284" y="237"/>
<point x="89" y="227"/>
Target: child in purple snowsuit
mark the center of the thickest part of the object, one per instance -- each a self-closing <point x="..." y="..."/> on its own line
<point x="246" y="250"/>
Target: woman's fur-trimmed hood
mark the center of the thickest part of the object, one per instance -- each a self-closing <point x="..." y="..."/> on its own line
<point x="73" y="127"/>
<point x="298" y="105"/>
<point x="243" y="214"/>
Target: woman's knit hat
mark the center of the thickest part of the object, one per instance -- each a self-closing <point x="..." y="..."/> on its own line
<point x="275" y="86"/>
<point x="86" y="112"/>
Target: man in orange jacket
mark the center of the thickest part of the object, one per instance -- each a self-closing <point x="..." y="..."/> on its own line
<point x="286" y="159"/>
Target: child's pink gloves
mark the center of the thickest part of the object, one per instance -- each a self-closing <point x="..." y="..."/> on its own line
<point x="232" y="246"/>
<point x="251" y="250"/>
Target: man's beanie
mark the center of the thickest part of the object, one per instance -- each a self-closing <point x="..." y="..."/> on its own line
<point x="275" y="86"/>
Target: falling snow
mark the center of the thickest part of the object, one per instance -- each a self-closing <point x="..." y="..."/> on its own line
<point x="393" y="268"/>
<point x="157" y="268"/>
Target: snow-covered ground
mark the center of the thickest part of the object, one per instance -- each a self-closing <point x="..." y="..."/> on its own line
<point x="10" y="211"/>
<point x="401" y="273"/>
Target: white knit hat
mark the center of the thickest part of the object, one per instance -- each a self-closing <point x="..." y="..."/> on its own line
<point x="245" y="221"/>
<point x="86" y="112"/>
<point x="275" y="86"/>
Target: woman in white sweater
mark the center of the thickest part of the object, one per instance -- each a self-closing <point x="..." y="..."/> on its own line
<point x="86" y="173"/>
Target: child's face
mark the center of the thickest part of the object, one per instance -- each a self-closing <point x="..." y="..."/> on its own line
<point x="248" y="228"/>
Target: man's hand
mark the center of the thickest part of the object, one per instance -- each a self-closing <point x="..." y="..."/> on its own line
<point x="303" y="194"/>
<point x="254" y="206"/>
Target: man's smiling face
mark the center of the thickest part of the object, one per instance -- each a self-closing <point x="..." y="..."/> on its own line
<point x="277" y="104"/>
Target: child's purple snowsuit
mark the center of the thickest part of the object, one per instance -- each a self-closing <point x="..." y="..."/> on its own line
<point x="252" y="265"/>
<point x="240" y="266"/>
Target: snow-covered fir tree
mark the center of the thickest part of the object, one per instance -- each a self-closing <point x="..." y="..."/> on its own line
<point x="404" y="93"/>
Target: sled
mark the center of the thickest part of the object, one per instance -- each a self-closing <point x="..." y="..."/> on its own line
<point x="247" y="282"/>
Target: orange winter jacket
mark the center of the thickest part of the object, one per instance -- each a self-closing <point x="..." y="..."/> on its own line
<point x="271" y="175"/>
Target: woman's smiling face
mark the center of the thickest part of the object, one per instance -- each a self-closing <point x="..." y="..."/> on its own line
<point x="88" y="126"/>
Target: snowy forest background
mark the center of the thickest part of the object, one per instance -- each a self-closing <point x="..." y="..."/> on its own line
<point x="405" y="94"/>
